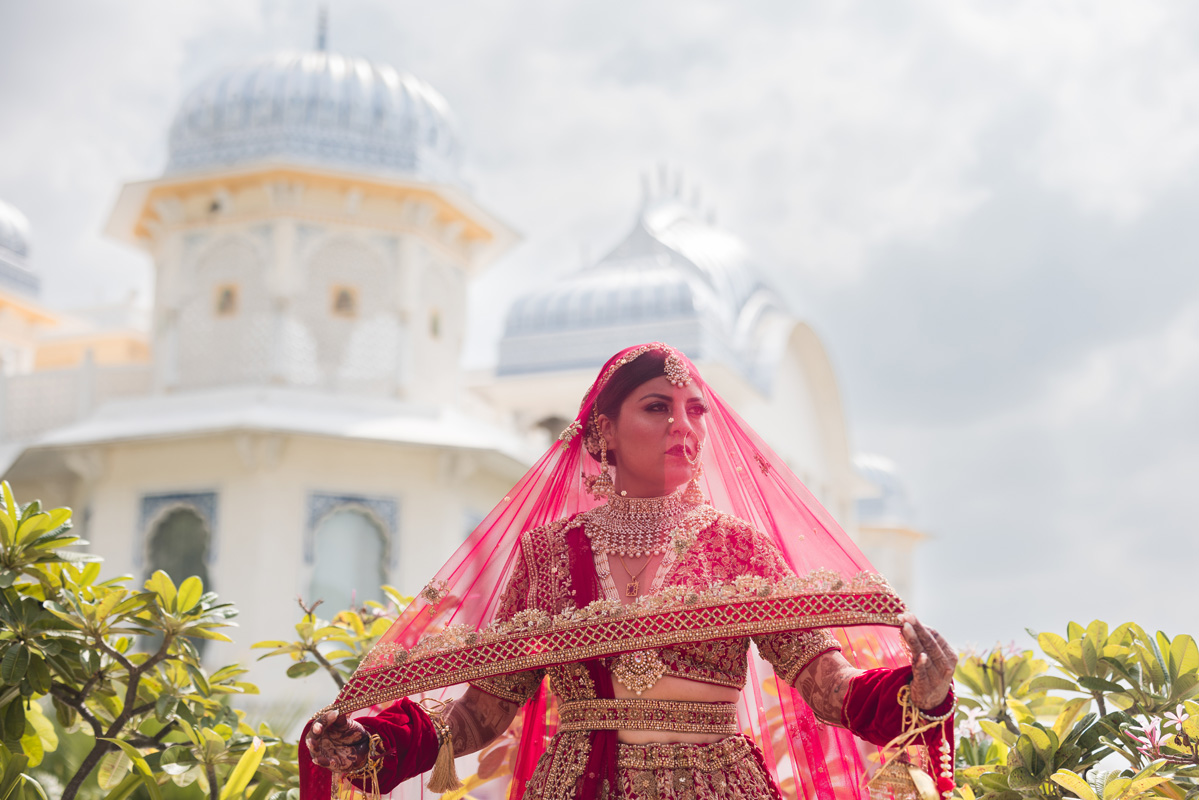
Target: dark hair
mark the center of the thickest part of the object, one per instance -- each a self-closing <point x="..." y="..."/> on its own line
<point x="645" y="367"/>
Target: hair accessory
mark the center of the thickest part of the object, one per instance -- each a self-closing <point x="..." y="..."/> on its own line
<point x="571" y="431"/>
<point x="676" y="373"/>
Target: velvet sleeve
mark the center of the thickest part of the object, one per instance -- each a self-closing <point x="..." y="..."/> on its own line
<point x="872" y="711"/>
<point x="409" y="744"/>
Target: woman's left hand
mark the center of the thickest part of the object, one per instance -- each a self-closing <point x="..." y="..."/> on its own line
<point x="933" y="663"/>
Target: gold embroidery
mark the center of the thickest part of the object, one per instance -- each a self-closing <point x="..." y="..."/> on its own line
<point x="722" y="662"/>
<point x="728" y="582"/>
<point x="560" y="767"/>
<point x="572" y="681"/>
<point x="791" y="651"/>
<point x="517" y="687"/>
<point x="648" y="715"/>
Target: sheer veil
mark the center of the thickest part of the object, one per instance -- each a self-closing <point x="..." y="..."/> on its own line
<point x="451" y="634"/>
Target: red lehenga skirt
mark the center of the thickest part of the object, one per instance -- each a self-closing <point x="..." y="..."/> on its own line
<point x="729" y="769"/>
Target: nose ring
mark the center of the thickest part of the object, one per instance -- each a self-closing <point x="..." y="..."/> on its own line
<point x="670" y="420"/>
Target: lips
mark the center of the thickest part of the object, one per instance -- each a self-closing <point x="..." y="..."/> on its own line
<point x="678" y="450"/>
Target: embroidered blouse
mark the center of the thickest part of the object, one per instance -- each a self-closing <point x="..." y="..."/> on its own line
<point x="721" y="551"/>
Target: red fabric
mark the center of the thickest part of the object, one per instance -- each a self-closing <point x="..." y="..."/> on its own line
<point x="409" y="746"/>
<point x="601" y="762"/>
<point x="872" y="711"/>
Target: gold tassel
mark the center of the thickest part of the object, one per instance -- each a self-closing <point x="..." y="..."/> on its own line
<point x="444" y="777"/>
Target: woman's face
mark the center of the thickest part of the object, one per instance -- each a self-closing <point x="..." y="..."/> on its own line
<point x="656" y="435"/>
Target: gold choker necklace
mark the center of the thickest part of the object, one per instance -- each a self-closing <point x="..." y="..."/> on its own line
<point x="636" y="526"/>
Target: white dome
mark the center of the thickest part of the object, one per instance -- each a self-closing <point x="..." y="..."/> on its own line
<point x="676" y="277"/>
<point x="14" y="251"/>
<point x="14" y="232"/>
<point x="317" y="108"/>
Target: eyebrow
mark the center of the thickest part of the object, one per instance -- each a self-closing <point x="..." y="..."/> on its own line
<point x="669" y="397"/>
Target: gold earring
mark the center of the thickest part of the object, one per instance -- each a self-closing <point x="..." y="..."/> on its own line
<point x="601" y="485"/>
<point x="694" y="494"/>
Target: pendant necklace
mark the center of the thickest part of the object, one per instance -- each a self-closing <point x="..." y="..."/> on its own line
<point x="633" y="587"/>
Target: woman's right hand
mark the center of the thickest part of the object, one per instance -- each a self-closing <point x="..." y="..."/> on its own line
<point x="338" y="743"/>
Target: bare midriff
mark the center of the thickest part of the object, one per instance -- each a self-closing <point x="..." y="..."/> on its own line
<point x="669" y="687"/>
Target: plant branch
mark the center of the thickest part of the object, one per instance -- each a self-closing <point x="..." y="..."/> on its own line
<point x="89" y="763"/>
<point x="62" y="693"/>
<point x="324" y="662"/>
<point x="214" y="791"/>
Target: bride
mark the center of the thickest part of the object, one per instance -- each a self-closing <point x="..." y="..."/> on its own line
<point x="632" y="566"/>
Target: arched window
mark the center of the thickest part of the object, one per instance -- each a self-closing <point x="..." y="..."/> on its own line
<point x="178" y="546"/>
<point x="349" y="561"/>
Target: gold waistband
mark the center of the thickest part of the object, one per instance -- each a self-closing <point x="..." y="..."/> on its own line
<point x="648" y="715"/>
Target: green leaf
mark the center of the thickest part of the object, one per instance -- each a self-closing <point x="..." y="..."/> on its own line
<point x="302" y="669"/>
<point x="124" y="788"/>
<point x="247" y="765"/>
<point x="1184" y="655"/>
<point x="140" y="765"/>
<point x="998" y="732"/>
<point x="1074" y="783"/>
<point x="1093" y="684"/>
<point x="1021" y="778"/>
<point x="31" y="783"/>
<point x="14" y="720"/>
<point x="114" y="767"/>
<point x="165" y="706"/>
<point x="1045" y="683"/>
<point x="190" y="592"/>
<point x="1115" y="787"/>
<point x="199" y="679"/>
<point x="13" y="767"/>
<point x="14" y="664"/>
<point x="160" y="583"/>
<point x="1144" y="785"/>
<point x="10" y="505"/>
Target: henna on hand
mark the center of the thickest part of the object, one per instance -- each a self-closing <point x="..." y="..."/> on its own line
<point x="478" y="719"/>
<point x="338" y="743"/>
<point x="823" y="684"/>
<point x="933" y="663"/>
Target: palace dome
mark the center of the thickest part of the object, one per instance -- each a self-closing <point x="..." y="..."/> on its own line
<point x="317" y="108"/>
<point x="676" y="277"/>
<point x="14" y="251"/>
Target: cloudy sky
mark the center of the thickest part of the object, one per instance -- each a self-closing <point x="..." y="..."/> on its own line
<point x="985" y="209"/>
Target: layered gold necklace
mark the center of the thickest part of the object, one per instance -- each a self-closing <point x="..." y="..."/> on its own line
<point x="636" y="526"/>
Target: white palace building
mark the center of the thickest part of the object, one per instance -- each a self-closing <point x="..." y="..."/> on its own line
<point x="293" y="418"/>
